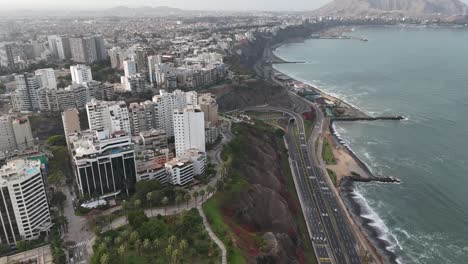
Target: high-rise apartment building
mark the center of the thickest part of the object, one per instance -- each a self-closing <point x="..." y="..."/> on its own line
<point x="104" y="162"/>
<point x="117" y="56"/>
<point x="108" y="115"/>
<point x="81" y="74"/>
<point x="55" y="100"/>
<point x="6" y="56"/>
<point x="15" y="133"/>
<point x="47" y="78"/>
<point x="101" y="52"/>
<point x="130" y="67"/>
<point x="7" y="136"/>
<point x="189" y="130"/>
<point x="24" y="210"/>
<point x="53" y="47"/>
<point x="25" y="97"/>
<point x="164" y="105"/>
<point x="134" y="83"/>
<point x="88" y="49"/>
<point x="59" y="47"/>
<point x="153" y="61"/>
<point x="23" y="134"/>
<point x="63" y="48"/>
<point x="71" y="121"/>
<point x="141" y="59"/>
<point x="101" y="91"/>
<point x="209" y="107"/>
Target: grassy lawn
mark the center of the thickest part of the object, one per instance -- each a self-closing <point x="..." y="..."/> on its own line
<point x="212" y="209"/>
<point x="327" y="153"/>
<point x="332" y="175"/>
<point x="309" y="125"/>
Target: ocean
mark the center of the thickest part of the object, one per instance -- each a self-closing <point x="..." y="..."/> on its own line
<point x="422" y="74"/>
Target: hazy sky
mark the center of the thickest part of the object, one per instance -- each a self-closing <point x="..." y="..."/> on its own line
<point x="184" y="4"/>
<point x="243" y="5"/>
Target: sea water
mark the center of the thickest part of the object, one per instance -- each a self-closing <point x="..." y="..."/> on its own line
<point x="422" y="74"/>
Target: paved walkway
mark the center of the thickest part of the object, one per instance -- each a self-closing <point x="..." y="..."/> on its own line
<point x="213" y="235"/>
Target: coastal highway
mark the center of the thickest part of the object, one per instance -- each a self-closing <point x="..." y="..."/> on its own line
<point x="328" y="226"/>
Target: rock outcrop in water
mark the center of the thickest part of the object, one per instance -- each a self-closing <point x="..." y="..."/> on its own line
<point x="419" y="8"/>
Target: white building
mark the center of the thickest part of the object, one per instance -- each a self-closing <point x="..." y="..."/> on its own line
<point x="25" y="96"/>
<point x="153" y="61"/>
<point x="104" y="163"/>
<point x="55" y="100"/>
<point x="180" y="171"/>
<point x="189" y="130"/>
<point x="129" y="67"/>
<point x="141" y="117"/>
<point x="134" y="83"/>
<point x="198" y="158"/>
<point x="164" y="105"/>
<point x="81" y="74"/>
<point x="108" y="115"/>
<point x="24" y="210"/>
<point x="47" y="78"/>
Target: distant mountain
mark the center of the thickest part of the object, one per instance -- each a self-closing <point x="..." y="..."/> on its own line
<point x="350" y="8"/>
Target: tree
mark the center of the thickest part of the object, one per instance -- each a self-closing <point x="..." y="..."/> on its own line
<point x="134" y="237"/>
<point x="137" y="246"/>
<point x="183" y="245"/>
<point x="118" y="240"/>
<point x="195" y="196"/>
<point x="137" y="203"/>
<point x="136" y="218"/>
<point x="187" y="198"/>
<point x="178" y="200"/>
<point x="146" y="244"/>
<point x="149" y="198"/>
<point x="164" y="202"/>
<point x="105" y="258"/>
<point x="121" y="251"/>
<point x="175" y="255"/>
<point x="156" y="244"/>
<point x="168" y="250"/>
<point x="172" y="239"/>
<point x="220" y="185"/>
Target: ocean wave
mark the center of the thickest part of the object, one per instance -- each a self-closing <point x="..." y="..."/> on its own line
<point x="377" y="223"/>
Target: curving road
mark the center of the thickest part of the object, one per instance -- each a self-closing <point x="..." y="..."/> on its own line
<point x="329" y="228"/>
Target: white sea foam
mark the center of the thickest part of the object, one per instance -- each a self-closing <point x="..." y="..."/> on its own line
<point x="383" y="231"/>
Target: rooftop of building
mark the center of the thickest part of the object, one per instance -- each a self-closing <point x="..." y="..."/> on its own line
<point x="89" y="142"/>
<point x="18" y="169"/>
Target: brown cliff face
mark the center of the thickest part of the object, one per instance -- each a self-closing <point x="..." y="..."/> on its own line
<point x="419" y="8"/>
<point x="264" y="213"/>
